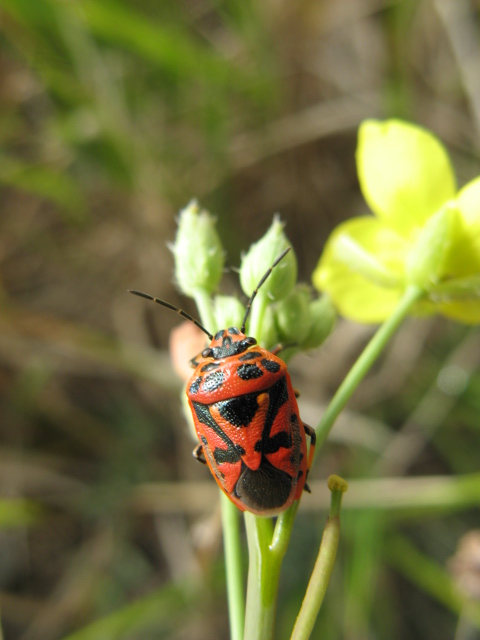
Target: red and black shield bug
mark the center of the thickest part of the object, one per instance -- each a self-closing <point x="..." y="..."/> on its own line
<point x="246" y="418"/>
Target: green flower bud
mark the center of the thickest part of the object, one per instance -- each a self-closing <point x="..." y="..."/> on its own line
<point x="198" y="251"/>
<point x="228" y="311"/>
<point x="292" y="317"/>
<point x="269" y="337"/>
<point x="260" y="258"/>
<point x="427" y="256"/>
<point x="323" y="316"/>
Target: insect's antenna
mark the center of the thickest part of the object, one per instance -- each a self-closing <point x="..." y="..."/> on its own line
<point x="264" y="277"/>
<point x="180" y="312"/>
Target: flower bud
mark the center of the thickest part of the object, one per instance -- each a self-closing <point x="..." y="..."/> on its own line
<point x="228" y="311"/>
<point x="427" y="256"/>
<point x="198" y="251"/>
<point x="292" y="317"/>
<point x="269" y="337"/>
<point x="261" y="257"/>
<point x="322" y="316"/>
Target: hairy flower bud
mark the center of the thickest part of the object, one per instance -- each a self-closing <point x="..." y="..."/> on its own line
<point x="292" y="317"/>
<point x="261" y="257"/>
<point x="228" y="311"/>
<point x="322" y="316"/>
<point x="198" y="251"/>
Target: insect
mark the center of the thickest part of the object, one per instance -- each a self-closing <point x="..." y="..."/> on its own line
<point x="246" y="417"/>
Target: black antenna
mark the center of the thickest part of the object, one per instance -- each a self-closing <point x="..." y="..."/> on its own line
<point x="180" y="312"/>
<point x="252" y="297"/>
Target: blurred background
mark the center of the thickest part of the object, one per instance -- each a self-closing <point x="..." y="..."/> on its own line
<point x="113" y="115"/>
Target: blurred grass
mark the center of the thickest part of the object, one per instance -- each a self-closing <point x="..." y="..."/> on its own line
<point x="113" y="114"/>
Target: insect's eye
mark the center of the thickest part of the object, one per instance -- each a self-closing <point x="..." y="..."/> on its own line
<point x="250" y="341"/>
<point x="207" y="353"/>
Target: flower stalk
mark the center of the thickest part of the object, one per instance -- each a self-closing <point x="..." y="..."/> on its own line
<point x="365" y="361"/>
<point x="322" y="571"/>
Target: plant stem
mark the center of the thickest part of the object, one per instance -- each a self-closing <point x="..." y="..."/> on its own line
<point x="263" y="579"/>
<point x="233" y="565"/>
<point x="205" y="309"/>
<point x="256" y="316"/>
<point x="230" y="517"/>
<point x="361" y="367"/>
<point x="320" y="577"/>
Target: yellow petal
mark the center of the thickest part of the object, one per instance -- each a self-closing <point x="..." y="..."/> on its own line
<point x="404" y="171"/>
<point x="466" y="311"/>
<point x="468" y="201"/>
<point x="365" y="288"/>
<point x="463" y="259"/>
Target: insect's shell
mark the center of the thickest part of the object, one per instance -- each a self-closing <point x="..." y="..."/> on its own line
<point x="247" y="421"/>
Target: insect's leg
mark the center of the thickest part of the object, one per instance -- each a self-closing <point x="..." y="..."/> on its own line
<point x="194" y="362"/>
<point x="198" y="454"/>
<point x="311" y="452"/>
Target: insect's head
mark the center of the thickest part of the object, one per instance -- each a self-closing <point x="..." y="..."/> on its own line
<point x="228" y="342"/>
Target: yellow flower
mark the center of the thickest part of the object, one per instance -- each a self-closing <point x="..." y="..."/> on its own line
<point x="423" y="232"/>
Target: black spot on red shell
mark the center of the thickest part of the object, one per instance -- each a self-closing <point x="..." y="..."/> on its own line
<point x="218" y="335"/>
<point x="249" y="372"/>
<point x="210" y="366"/>
<point x="195" y="386"/>
<point x="270" y="365"/>
<point x="250" y="355"/>
<point x="213" y="381"/>
<point x="230" y="455"/>
<point x="234" y="331"/>
<point x="239" y="411"/>
<point x="274" y="443"/>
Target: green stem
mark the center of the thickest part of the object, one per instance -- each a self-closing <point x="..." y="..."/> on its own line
<point x="283" y="530"/>
<point x="361" y="367"/>
<point x="257" y="314"/>
<point x="263" y="579"/>
<point x="230" y="517"/>
<point x="233" y="564"/>
<point x="205" y="309"/>
<point x="322" y="571"/>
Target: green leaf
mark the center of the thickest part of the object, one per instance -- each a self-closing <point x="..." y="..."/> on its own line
<point x="404" y="171"/>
